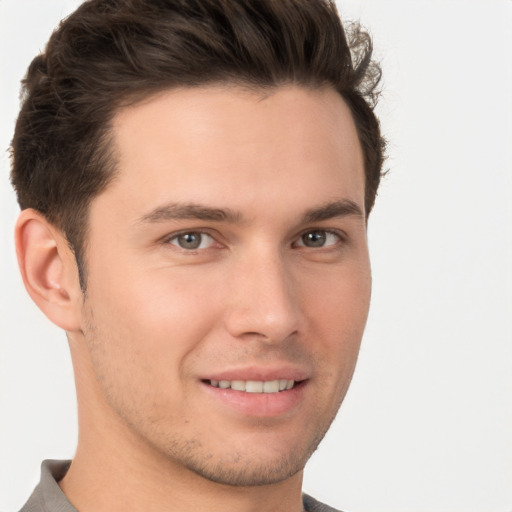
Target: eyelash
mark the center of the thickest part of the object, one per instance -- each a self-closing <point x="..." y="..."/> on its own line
<point x="201" y="234"/>
<point x="325" y="232"/>
<point x="299" y="241"/>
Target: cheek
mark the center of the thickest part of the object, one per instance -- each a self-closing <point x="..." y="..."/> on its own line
<point x="142" y="332"/>
<point x="340" y="299"/>
<point x="148" y="323"/>
<point x="336" y="307"/>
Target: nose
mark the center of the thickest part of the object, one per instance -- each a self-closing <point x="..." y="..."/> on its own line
<point x="264" y="301"/>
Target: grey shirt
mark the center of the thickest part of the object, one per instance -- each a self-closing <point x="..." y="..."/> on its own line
<point x="47" y="496"/>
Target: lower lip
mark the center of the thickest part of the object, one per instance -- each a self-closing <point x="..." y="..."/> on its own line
<point x="263" y="405"/>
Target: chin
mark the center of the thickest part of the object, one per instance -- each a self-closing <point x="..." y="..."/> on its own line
<point x="247" y="472"/>
<point x="263" y="461"/>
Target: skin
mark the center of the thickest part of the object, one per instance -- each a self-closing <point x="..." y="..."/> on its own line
<point x="279" y="285"/>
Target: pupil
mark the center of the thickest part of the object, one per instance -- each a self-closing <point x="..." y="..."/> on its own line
<point x="314" y="239"/>
<point x="190" y="240"/>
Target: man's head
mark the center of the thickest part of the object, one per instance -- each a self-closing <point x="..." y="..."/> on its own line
<point x="109" y="54"/>
<point x="213" y="164"/>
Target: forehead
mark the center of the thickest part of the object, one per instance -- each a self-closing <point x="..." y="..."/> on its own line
<point x="221" y="144"/>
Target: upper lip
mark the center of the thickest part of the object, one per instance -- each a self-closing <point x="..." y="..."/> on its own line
<point x="259" y="373"/>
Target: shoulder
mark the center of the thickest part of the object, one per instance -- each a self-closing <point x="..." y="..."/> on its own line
<point x="47" y="496"/>
<point x="312" y="505"/>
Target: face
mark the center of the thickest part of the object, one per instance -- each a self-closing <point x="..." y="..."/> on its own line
<point x="228" y="278"/>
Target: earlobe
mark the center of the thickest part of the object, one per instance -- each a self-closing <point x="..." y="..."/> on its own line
<point x="48" y="269"/>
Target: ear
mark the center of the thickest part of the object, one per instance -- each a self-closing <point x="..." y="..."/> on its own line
<point x="48" y="268"/>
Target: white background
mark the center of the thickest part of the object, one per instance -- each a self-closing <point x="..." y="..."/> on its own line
<point x="427" y="424"/>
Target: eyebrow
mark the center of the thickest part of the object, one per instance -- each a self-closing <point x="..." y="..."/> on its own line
<point x="181" y="211"/>
<point x="334" y="209"/>
<point x="193" y="211"/>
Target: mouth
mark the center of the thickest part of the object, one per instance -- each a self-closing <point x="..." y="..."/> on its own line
<point x="273" y="397"/>
<point x="254" y="386"/>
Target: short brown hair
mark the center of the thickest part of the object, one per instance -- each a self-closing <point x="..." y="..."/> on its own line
<point x="112" y="52"/>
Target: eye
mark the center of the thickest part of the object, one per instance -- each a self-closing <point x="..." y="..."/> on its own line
<point x="318" y="238"/>
<point x="192" y="240"/>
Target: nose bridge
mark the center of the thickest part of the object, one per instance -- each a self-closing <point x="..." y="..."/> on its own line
<point x="264" y="300"/>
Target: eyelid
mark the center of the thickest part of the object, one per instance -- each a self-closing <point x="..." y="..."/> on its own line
<point x="342" y="236"/>
<point x="167" y="239"/>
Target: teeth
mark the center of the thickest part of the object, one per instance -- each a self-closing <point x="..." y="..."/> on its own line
<point x="238" y="385"/>
<point x="271" y="386"/>
<point x="254" y="386"/>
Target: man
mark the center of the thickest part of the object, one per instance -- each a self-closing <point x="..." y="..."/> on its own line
<point x="195" y="181"/>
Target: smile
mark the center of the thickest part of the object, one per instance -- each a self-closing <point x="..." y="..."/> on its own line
<point x="254" y="386"/>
